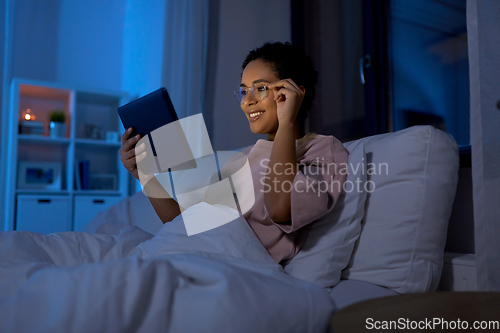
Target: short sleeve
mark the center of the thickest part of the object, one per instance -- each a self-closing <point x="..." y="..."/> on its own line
<point x="322" y="171"/>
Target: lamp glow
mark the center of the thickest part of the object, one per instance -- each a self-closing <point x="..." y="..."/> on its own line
<point x="28" y="116"/>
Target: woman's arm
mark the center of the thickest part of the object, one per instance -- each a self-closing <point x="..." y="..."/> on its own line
<point x="283" y="160"/>
<point x="165" y="207"/>
<point x="283" y="168"/>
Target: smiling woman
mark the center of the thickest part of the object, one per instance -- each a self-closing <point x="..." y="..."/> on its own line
<point x="259" y="105"/>
<point x="276" y="91"/>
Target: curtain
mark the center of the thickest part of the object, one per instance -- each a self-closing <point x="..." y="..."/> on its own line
<point x="484" y="67"/>
<point x="185" y="54"/>
<point x="165" y="45"/>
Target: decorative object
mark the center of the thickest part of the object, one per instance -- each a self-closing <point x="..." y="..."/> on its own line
<point x="30" y="127"/>
<point x="57" y="125"/>
<point x="103" y="181"/>
<point x="111" y="136"/>
<point x="39" y="175"/>
<point x="27" y="126"/>
<point x="28" y="116"/>
<point x="93" y="131"/>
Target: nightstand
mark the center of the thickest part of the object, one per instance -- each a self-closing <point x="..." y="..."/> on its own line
<point x="459" y="272"/>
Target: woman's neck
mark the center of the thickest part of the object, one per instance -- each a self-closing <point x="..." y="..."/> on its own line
<point x="297" y="132"/>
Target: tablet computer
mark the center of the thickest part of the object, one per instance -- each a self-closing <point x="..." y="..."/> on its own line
<point x="154" y="118"/>
<point x="148" y="113"/>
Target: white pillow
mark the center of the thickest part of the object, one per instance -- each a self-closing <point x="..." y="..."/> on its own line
<point x="331" y="239"/>
<point x="403" y="234"/>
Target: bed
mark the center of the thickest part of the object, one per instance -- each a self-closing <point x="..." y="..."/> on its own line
<point x="128" y="272"/>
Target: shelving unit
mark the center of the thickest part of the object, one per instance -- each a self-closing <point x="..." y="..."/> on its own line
<point x="33" y="205"/>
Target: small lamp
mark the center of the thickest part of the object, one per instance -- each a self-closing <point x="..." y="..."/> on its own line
<point x="28" y="116"/>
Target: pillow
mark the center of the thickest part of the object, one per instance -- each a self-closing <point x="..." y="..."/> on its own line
<point x="331" y="239"/>
<point x="234" y="240"/>
<point x="414" y="172"/>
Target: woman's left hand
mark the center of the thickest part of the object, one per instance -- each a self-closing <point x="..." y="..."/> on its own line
<point x="288" y="96"/>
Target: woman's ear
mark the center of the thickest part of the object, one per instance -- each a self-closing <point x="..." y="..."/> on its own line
<point x="303" y="89"/>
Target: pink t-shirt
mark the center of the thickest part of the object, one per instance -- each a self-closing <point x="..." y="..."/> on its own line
<point x="316" y="188"/>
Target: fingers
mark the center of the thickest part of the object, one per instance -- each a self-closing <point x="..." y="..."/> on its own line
<point x="293" y="84"/>
<point x="279" y="96"/>
<point x="133" y="152"/>
<point x="284" y="88"/>
<point x="128" y="145"/>
<point x="286" y="83"/>
<point x="126" y="134"/>
<point x="140" y="156"/>
<point x="131" y="164"/>
<point x="130" y="154"/>
<point x="133" y="156"/>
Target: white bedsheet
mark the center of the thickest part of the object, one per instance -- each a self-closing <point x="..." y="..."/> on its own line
<point x="79" y="282"/>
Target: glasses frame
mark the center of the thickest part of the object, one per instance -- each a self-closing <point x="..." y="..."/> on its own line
<point x="252" y="92"/>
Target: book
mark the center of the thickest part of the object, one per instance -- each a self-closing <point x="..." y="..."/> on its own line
<point x="85" y="174"/>
<point x="31" y="128"/>
<point x="78" y="179"/>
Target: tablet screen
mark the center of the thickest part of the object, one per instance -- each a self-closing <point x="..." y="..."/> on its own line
<point x="148" y="113"/>
<point x="154" y="118"/>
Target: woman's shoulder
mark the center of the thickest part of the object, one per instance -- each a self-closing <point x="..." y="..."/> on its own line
<point x="313" y="145"/>
<point x="314" y="139"/>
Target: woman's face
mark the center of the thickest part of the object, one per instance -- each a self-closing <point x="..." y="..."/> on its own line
<point x="262" y="114"/>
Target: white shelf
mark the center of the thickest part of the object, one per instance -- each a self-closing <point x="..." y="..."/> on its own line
<point x="95" y="142"/>
<point x="97" y="192"/>
<point x="43" y="139"/>
<point x="40" y="191"/>
<point x="84" y="108"/>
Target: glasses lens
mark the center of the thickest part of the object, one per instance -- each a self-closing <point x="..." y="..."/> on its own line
<point x="259" y="91"/>
<point x="240" y="93"/>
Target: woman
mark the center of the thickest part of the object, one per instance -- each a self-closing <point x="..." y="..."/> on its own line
<point x="295" y="177"/>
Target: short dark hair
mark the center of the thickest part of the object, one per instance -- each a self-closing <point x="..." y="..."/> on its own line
<point x="287" y="62"/>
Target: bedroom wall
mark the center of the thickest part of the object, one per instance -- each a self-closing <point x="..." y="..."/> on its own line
<point x="28" y="50"/>
<point x="88" y="43"/>
<point x="242" y="26"/>
<point x="35" y="40"/>
<point x="143" y="35"/>
<point x="90" y="47"/>
<point x="79" y="43"/>
<point x="98" y="42"/>
<point x="94" y="43"/>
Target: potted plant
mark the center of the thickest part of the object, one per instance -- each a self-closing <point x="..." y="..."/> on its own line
<point x="57" y="125"/>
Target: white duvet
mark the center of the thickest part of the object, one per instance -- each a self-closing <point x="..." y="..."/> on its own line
<point x="222" y="280"/>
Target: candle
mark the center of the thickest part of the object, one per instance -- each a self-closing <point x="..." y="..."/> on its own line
<point x="28" y="116"/>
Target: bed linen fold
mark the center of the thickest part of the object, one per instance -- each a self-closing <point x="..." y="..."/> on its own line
<point x="79" y="282"/>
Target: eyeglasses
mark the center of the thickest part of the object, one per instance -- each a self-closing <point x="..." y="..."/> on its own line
<point x="258" y="91"/>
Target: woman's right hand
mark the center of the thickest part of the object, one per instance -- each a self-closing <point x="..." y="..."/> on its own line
<point x="130" y="155"/>
<point x="165" y="207"/>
